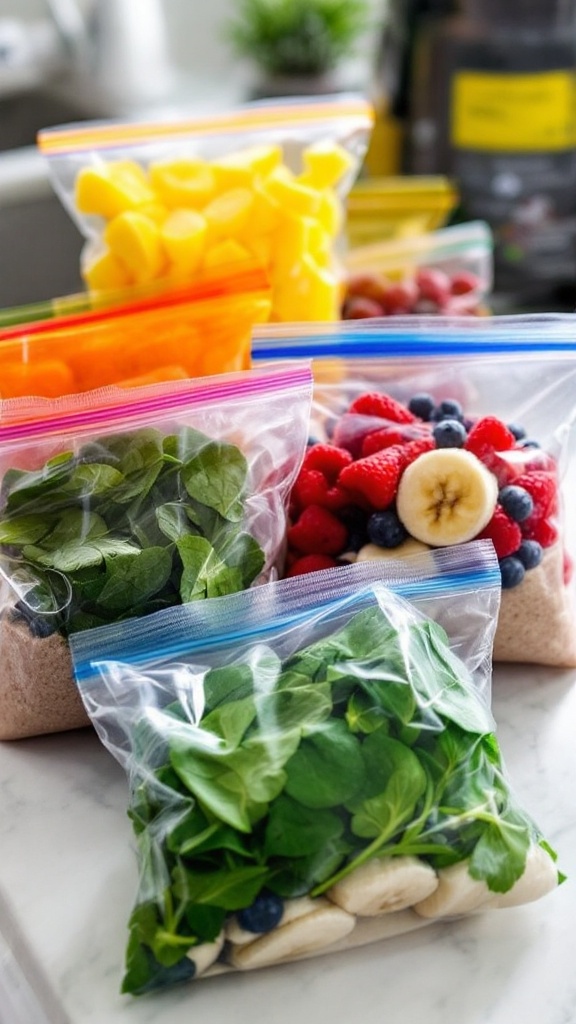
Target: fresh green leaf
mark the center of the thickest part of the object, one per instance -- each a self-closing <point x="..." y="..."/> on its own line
<point x="204" y="574"/>
<point x="395" y="781"/>
<point x="499" y="857"/>
<point x="327" y="769"/>
<point x="27" y="529"/>
<point x="216" y="476"/>
<point x="230" y="889"/>
<point x="131" y="579"/>
<point x="293" y="830"/>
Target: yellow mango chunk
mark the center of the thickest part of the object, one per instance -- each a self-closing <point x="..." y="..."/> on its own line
<point x="261" y="248"/>
<point x="266" y="213"/>
<point x="184" y="236"/>
<point x="184" y="182"/>
<point x="111" y="188"/>
<point x="106" y="272"/>
<point x="228" y="214"/>
<point x="324" y="164"/>
<point x="155" y="211"/>
<point x="330" y="213"/>
<point x="135" y="240"/>
<point x="291" y="241"/>
<point x="222" y="253"/>
<point x="243" y="167"/>
<point x="291" y="195"/>
<point x="319" y="242"/>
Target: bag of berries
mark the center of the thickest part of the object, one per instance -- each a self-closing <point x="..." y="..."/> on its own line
<point x="429" y="432"/>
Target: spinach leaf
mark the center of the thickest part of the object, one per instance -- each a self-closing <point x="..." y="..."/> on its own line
<point x="130" y="579"/>
<point x="216" y="476"/>
<point x="327" y="769"/>
<point x="395" y="782"/>
<point x="230" y="889"/>
<point x="24" y="530"/>
<point x="204" y="574"/>
<point x="293" y="830"/>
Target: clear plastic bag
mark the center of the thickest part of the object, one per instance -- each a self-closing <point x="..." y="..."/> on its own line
<point x="392" y="208"/>
<point x="203" y="330"/>
<point x="447" y="272"/>
<point x="117" y="503"/>
<point x="312" y="765"/>
<point x="165" y="201"/>
<point x="513" y="381"/>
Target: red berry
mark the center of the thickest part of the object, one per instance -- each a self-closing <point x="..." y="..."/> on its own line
<point x="401" y="297"/>
<point x="487" y="437"/>
<point x="567" y="568"/>
<point x="542" y="530"/>
<point x="463" y="282"/>
<point x="388" y="436"/>
<point x="543" y="489"/>
<point x="327" y="458"/>
<point x="368" y="285"/>
<point x="433" y="284"/>
<point x="318" y="532"/>
<point x="375" y="403"/>
<point x="504" y="533"/>
<point x="311" y="563"/>
<point x="359" y="308"/>
<point x="376" y="477"/>
<point x="352" y="428"/>
<point x="310" y="488"/>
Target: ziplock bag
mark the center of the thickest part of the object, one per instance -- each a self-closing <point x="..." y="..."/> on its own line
<point x="163" y="201"/>
<point x="391" y="208"/>
<point x="447" y="272"/>
<point x="203" y="330"/>
<point x="442" y="431"/>
<point x="312" y="765"/>
<point x="117" y="503"/>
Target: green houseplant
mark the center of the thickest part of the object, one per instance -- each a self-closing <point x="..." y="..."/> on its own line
<point x="297" y="45"/>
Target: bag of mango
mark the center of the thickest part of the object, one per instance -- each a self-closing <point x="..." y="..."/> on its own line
<point x="166" y="201"/>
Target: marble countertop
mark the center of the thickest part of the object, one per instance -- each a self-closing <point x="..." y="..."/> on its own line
<point x="68" y="879"/>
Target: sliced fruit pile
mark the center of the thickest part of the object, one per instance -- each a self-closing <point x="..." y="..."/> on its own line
<point x="396" y="479"/>
<point x="179" y="216"/>
<point x="428" y="291"/>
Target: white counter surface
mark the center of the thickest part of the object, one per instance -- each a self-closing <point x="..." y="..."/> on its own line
<point x="68" y="878"/>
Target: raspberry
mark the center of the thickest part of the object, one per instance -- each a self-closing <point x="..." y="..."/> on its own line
<point x="376" y="477"/>
<point x="352" y="428"/>
<point x="487" y="436"/>
<point x="318" y="532"/>
<point x="388" y="436"/>
<point x="505" y="534"/>
<point x="542" y="530"/>
<point x="327" y="458"/>
<point x="542" y="488"/>
<point x="374" y="403"/>
<point x="312" y="488"/>
<point x="311" y="563"/>
<point x="413" y="449"/>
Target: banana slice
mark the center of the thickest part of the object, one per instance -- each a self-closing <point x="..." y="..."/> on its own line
<point x="457" y="893"/>
<point x="206" y="954"/>
<point x="409" y="547"/>
<point x="384" y="886"/>
<point x="320" y="925"/>
<point x="540" y="876"/>
<point x="446" y="496"/>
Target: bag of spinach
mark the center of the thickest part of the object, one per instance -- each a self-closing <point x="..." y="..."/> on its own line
<point x="117" y="503"/>
<point x="312" y="764"/>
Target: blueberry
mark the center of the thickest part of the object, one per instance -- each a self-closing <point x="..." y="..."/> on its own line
<point x="527" y="442"/>
<point x="356" y="520"/>
<point x="422" y="405"/>
<point x="518" y="431"/>
<point x="530" y="553"/>
<point x="512" y="572"/>
<point x="263" y="914"/>
<point x="37" y="625"/>
<point x="386" y="530"/>
<point x="311" y="442"/>
<point x="449" y="434"/>
<point x="516" y="502"/>
<point x="448" y="408"/>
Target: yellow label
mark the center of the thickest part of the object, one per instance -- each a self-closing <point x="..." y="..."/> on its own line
<point x="514" y="113"/>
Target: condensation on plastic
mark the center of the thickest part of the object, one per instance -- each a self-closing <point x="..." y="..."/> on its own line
<point x="520" y="369"/>
<point x="194" y="333"/>
<point x="264" y="412"/>
<point x="148" y="682"/>
<point x="462" y="247"/>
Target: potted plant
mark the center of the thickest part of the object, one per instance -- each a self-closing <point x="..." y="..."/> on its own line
<point x="297" y="45"/>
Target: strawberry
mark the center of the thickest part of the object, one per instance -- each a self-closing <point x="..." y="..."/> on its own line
<point x="318" y="532"/>
<point x="376" y="403"/>
<point x="376" y="477"/>
<point x="504" y="533"/>
<point x="327" y="458"/>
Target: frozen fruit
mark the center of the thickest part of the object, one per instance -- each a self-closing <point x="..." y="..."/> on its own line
<point x="542" y="488"/>
<point x="393" y="434"/>
<point x="375" y="478"/>
<point x="512" y="572"/>
<point x="504" y="533"/>
<point x="463" y="282"/>
<point x="386" y="530"/>
<point x="542" y="530"/>
<point x="311" y="563"/>
<point x="328" y="458"/>
<point x="376" y="403"/>
<point x="446" y="496"/>
<point x="487" y="437"/>
<point x="422" y="405"/>
<point x="361" y="307"/>
<point x="318" y="531"/>
<point x="530" y="553"/>
<point x="448" y="408"/>
<point x="449" y="434"/>
<point x="516" y="502"/>
<point x="401" y="297"/>
<point x="368" y="286"/>
<point x="433" y="284"/>
<point x="263" y="914"/>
